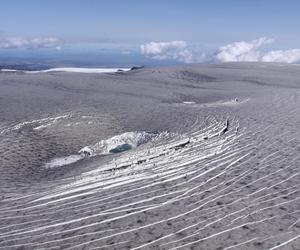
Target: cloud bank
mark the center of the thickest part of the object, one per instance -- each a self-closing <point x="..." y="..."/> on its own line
<point x="33" y="43"/>
<point x="176" y="50"/>
<point x="285" y="56"/>
<point x="243" y="51"/>
<point x="251" y="52"/>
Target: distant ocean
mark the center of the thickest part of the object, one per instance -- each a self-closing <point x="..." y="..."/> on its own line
<point x="46" y="59"/>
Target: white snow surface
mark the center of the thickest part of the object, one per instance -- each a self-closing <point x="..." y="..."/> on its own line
<point x="70" y="69"/>
<point x="62" y="161"/>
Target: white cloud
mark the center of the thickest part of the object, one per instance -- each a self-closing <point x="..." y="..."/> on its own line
<point x="33" y="43"/>
<point x="285" y="56"/>
<point x="251" y="52"/>
<point x="176" y="50"/>
<point x="242" y="51"/>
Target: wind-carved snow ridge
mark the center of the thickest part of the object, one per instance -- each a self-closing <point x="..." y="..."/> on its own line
<point x="202" y="173"/>
<point x="118" y="143"/>
<point x="231" y="102"/>
<point x="62" y="161"/>
<point x="42" y="123"/>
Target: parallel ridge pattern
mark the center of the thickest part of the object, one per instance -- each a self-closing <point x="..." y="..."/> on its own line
<point x="230" y="181"/>
<point x="206" y="187"/>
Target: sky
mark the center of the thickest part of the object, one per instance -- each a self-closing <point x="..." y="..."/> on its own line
<point x="156" y="31"/>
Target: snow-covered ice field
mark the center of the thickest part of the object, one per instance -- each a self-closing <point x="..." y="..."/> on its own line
<point x="195" y="157"/>
<point x="69" y="69"/>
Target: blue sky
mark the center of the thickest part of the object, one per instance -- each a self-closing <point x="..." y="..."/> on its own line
<point x="125" y="25"/>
